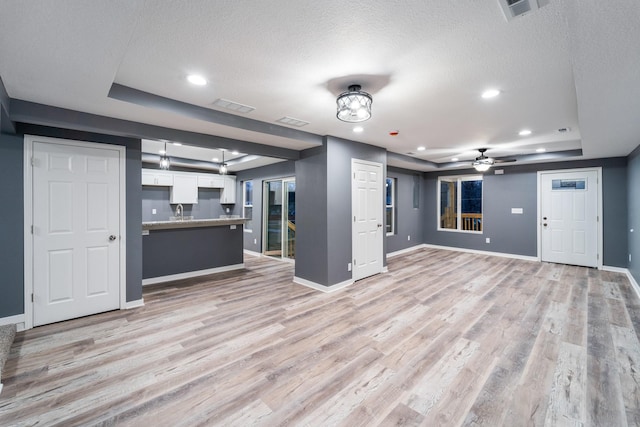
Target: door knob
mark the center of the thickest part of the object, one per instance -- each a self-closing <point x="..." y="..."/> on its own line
<point x="112" y="238"/>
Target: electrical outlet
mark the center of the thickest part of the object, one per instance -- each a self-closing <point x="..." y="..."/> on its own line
<point x="488" y="240"/>
<point x="154" y="211"/>
<point x="349" y="267"/>
<point x="255" y="241"/>
<point x="409" y="237"/>
<point x="228" y="210"/>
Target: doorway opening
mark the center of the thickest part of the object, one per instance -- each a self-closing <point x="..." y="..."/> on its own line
<point x="280" y="218"/>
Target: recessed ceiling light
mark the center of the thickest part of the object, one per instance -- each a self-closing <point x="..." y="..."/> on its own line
<point x="524" y="132"/>
<point x="455" y="159"/>
<point x="235" y="152"/>
<point x="421" y="148"/>
<point x="215" y="159"/>
<point x="162" y="152"/>
<point x="358" y="129"/>
<point x="540" y="150"/>
<point x="177" y="144"/>
<point x="490" y="93"/>
<point x="197" y="80"/>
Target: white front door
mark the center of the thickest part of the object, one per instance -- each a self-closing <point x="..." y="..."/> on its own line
<point x="76" y="230"/>
<point x="367" y="207"/>
<point x="569" y="217"/>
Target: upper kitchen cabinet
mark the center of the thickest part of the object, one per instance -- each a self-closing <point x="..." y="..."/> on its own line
<point x="157" y="177"/>
<point x="210" y="181"/>
<point x="228" y="193"/>
<point x="185" y="188"/>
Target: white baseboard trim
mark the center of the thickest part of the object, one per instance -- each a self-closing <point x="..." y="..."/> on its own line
<point x="180" y="276"/>
<point x="632" y="280"/>
<point x="251" y="253"/>
<point x="322" y="288"/>
<point x="405" y="251"/>
<point x="17" y="320"/>
<point x="134" y="304"/>
<point x="479" y="252"/>
<point x="615" y="269"/>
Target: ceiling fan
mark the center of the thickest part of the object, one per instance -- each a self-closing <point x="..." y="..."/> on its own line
<point x="482" y="163"/>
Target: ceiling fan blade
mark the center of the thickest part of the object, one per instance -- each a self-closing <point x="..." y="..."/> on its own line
<point x="504" y="160"/>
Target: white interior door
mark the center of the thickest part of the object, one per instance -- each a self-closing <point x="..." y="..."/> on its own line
<point x="76" y="231"/>
<point x="367" y="208"/>
<point x="569" y="217"/>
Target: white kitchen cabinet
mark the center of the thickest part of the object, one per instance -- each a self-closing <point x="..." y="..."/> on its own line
<point x="228" y="193"/>
<point x="157" y="177"/>
<point x="184" y="189"/>
<point x="210" y="181"/>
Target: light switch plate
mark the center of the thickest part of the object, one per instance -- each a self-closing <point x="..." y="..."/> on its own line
<point x="518" y="211"/>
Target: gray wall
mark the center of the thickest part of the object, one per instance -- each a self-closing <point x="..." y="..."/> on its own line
<point x="311" y="216"/>
<point x="11" y="168"/>
<point x="208" y="205"/>
<point x="339" y="224"/>
<point x="409" y="221"/>
<point x="633" y="192"/>
<point x="258" y="176"/>
<point x="517" y="188"/>
<point x="12" y="226"/>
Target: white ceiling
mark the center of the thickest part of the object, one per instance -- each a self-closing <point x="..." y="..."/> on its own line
<point x="571" y="64"/>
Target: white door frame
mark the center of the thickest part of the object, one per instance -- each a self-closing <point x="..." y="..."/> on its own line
<point x="598" y="170"/>
<point x="28" y="217"/>
<point x="382" y="212"/>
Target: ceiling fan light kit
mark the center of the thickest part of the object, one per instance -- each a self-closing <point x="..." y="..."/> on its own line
<point x="483" y="163"/>
<point x="354" y="105"/>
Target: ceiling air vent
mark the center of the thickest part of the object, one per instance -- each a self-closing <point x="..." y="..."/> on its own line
<point x="292" y="122"/>
<point x="233" y="106"/>
<point x="514" y="8"/>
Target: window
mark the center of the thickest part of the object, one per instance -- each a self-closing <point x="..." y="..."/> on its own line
<point x="390" y="202"/>
<point x="460" y="202"/>
<point x="247" y="204"/>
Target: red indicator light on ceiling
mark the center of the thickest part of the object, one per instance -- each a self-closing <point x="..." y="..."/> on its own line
<point x="394" y="132"/>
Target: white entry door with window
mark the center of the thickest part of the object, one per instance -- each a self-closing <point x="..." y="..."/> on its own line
<point x="75" y="244"/>
<point x="367" y="208"/>
<point x="569" y="231"/>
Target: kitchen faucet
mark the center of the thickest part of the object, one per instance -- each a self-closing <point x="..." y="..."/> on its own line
<point x="180" y="211"/>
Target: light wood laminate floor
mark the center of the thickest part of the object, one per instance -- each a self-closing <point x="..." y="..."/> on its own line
<point x="444" y="338"/>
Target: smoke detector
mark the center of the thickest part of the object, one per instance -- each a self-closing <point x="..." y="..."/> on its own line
<point x="514" y="8"/>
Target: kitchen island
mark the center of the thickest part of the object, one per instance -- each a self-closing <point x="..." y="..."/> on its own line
<point x="173" y="250"/>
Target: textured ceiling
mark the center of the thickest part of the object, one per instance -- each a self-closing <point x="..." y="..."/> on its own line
<point x="571" y="64"/>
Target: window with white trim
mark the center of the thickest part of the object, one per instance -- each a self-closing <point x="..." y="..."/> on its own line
<point x="390" y="206"/>
<point x="247" y="205"/>
<point x="460" y="203"/>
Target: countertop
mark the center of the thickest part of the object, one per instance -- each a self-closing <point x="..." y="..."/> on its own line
<point x="191" y="223"/>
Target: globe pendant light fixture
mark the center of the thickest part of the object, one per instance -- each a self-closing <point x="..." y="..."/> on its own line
<point x="223" y="166"/>
<point x="164" y="159"/>
<point x="354" y="105"/>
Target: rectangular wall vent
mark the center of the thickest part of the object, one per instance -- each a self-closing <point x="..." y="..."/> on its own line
<point x="292" y="122"/>
<point x="514" y="8"/>
<point x="233" y="106"/>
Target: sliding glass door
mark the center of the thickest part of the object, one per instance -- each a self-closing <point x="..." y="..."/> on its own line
<point x="280" y="218"/>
